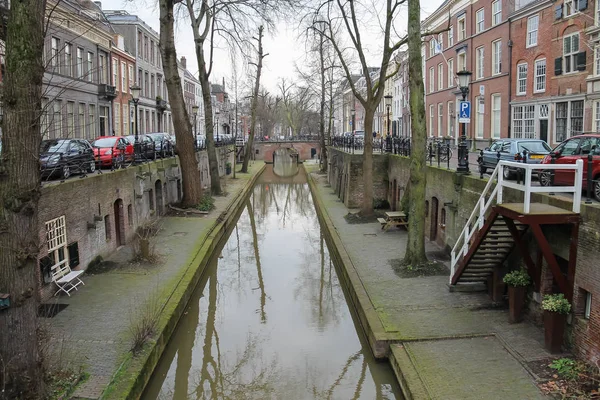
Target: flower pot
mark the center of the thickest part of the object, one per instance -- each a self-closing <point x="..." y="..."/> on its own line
<point x="516" y="301"/>
<point x="554" y="324"/>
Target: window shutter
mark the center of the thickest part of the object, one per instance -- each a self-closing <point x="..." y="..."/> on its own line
<point x="581" y="65"/>
<point x="583" y="5"/>
<point x="558" y="66"/>
<point x="558" y="12"/>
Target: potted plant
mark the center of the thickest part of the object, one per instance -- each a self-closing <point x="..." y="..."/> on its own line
<point x="517" y="282"/>
<point x="556" y="308"/>
<point x="228" y="168"/>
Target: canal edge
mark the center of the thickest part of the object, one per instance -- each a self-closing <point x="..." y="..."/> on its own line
<point x="132" y="376"/>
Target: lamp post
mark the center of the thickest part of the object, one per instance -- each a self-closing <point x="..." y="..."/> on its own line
<point x="464" y="77"/>
<point x="135" y="95"/>
<point x="388" y="138"/>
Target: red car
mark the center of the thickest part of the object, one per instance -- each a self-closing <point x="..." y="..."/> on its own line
<point x="568" y="152"/>
<point x="112" y="151"/>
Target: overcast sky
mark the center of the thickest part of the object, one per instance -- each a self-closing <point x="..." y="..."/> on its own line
<point x="284" y="49"/>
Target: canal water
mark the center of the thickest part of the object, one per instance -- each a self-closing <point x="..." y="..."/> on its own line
<point x="270" y="320"/>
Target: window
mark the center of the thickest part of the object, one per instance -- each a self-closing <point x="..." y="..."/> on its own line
<point x="450" y="118"/>
<point x="588" y="305"/>
<point x="152" y="92"/>
<point x="145" y="47"/>
<point x="431" y="80"/>
<point x="431" y="47"/>
<point x="451" y="36"/>
<point x="123" y="77"/>
<point x="70" y="119"/>
<point x="152" y="51"/>
<point x="496" y="12"/>
<point x="451" y="72"/>
<point x="480" y="20"/>
<point x="103" y="119"/>
<point x="571" y="7"/>
<point x="440" y="42"/>
<point x="431" y="111"/>
<point x="496" y="119"/>
<point x="92" y="121"/>
<point x="576" y="121"/>
<point x="562" y="110"/>
<point x="68" y="60"/>
<point x="57" y="119"/>
<point x="90" y="66"/>
<point x="480" y="64"/>
<point x="540" y="76"/>
<point x="102" y="69"/>
<point x="462" y="61"/>
<point x="440" y="76"/>
<point x="146" y="84"/>
<point x="570" y="50"/>
<point x="115" y="73"/>
<point x="479" y="117"/>
<point x="532" y="30"/>
<point x="81" y="118"/>
<point x="79" y="63"/>
<point x="139" y="45"/>
<point x="54" y="55"/>
<point x="496" y="57"/>
<point x="569" y="119"/>
<point x="440" y="119"/>
<point x="56" y="240"/>
<point x="524" y="122"/>
<point x="462" y="29"/>
<point x="117" y="118"/>
<point x="131" y="77"/>
<point x="597" y="116"/>
<point x="521" y="79"/>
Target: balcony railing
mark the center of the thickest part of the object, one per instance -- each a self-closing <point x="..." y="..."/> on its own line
<point x="107" y="91"/>
<point x="161" y="104"/>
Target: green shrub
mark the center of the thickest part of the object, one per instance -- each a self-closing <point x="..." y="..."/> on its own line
<point x="380" y="204"/>
<point x="556" y="303"/>
<point x="207" y="203"/>
<point x="517" y="278"/>
<point x="567" y="368"/>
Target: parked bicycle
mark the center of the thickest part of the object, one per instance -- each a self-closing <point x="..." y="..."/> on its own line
<point x="437" y="148"/>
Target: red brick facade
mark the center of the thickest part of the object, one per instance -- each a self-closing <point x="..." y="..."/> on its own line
<point x="123" y="111"/>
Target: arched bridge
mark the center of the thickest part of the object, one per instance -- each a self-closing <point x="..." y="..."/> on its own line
<point x="306" y="149"/>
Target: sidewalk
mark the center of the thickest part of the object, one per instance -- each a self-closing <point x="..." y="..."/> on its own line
<point x="93" y="331"/>
<point x="446" y="345"/>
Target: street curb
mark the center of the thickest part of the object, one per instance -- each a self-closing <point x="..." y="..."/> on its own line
<point x="134" y="374"/>
<point x="379" y="340"/>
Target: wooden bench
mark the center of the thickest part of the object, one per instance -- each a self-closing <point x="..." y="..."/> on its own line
<point x="393" y="218"/>
<point x="66" y="279"/>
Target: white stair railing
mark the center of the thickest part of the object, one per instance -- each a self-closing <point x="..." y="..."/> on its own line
<point x="477" y="217"/>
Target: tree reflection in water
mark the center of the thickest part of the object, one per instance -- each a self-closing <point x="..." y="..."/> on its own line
<point x="272" y="322"/>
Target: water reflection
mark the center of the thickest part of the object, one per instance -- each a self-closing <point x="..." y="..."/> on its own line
<point x="270" y="320"/>
<point x="285" y="162"/>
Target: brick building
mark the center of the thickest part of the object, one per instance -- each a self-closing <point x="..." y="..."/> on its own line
<point x="400" y="97"/>
<point x="471" y="35"/>
<point x="552" y="70"/>
<point x="123" y="78"/>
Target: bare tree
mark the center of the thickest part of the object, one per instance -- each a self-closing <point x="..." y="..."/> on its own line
<point x="296" y="102"/>
<point x="190" y="174"/>
<point x="268" y="111"/>
<point x="20" y="364"/>
<point x="259" y="65"/>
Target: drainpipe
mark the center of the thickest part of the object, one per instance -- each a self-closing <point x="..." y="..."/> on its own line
<point x="510" y="85"/>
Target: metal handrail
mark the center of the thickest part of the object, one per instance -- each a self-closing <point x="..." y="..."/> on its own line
<point x="477" y="217"/>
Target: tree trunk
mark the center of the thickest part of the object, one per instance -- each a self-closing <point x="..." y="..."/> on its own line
<point x="190" y="174"/>
<point x="20" y="361"/>
<point x="415" y="246"/>
<point x="250" y="144"/>
<point x="322" y="108"/>
<point x="367" y="206"/>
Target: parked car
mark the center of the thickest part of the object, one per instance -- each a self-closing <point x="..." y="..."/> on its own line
<point x="65" y="156"/>
<point x="147" y="147"/>
<point x="512" y="150"/>
<point x="112" y="151"/>
<point x="163" y="144"/>
<point x="568" y="152"/>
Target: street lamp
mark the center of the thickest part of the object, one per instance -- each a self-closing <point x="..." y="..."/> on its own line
<point x="464" y="77"/>
<point x="135" y="95"/>
<point x="388" y="138"/>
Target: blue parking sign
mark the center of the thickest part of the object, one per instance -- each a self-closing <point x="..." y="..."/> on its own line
<point x="464" y="112"/>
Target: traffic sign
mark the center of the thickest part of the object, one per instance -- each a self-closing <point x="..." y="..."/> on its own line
<point x="464" y="112"/>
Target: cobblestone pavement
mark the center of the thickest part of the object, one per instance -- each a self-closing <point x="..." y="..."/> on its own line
<point x="422" y="308"/>
<point x="93" y="332"/>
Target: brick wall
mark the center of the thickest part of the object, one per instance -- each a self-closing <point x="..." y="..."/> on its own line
<point x="456" y="196"/>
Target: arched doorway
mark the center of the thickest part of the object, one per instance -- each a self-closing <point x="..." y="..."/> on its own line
<point x="394" y="195"/>
<point x="434" y="219"/>
<point x="159" y="197"/>
<point x="119" y="222"/>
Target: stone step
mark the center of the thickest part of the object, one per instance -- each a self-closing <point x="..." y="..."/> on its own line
<point x="468" y="287"/>
<point x="476" y="274"/>
<point x="471" y="279"/>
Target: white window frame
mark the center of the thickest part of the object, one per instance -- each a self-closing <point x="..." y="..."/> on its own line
<point x="571" y="55"/>
<point x="540" y="70"/>
<point x="597" y="13"/>
<point x="79" y="67"/>
<point x="432" y="47"/>
<point x="451" y="36"/>
<point x="480" y="62"/>
<point x="440" y="118"/>
<point x="597" y="57"/>
<point x="479" y="116"/>
<point x="496" y="12"/>
<point x="440" y="76"/>
<point x="480" y="18"/>
<point x="431" y="80"/>
<point x="56" y="240"/>
<point x="462" y="33"/>
<point x="431" y="117"/>
<point x="461" y="56"/>
<point x="496" y="120"/>
<point x="451" y="73"/>
<point x="587" y="311"/>
<point x="522" y="70"/>
<point x="450" y="127"/>
<point x="123" y="77"/>
<point x="569" y="117"/>
<point x="496" y="57"/>
<point x="115" y="73"/>
<point x="54" y="54"/>
<point x="533" y="23"/>
<point x="597" y="116"/>
<point x="440" y="41"/>
<point x="570" y="7"/>
<point x="523" y="121"/>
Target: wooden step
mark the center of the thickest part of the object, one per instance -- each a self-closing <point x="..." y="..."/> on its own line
<point x="468" y="274"/>
<point x="471" y="279"/>
<point x="478" y="270"/>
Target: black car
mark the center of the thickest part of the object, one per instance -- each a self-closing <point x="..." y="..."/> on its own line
<point x="147" y="146"/>
<point x="62" y="157"/>
<point x="163" y="144"/>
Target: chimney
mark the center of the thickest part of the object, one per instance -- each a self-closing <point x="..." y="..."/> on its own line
<point x="99" y="4"/>
<point x="183" y="62"/>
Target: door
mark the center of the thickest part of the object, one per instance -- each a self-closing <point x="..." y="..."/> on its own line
<point x="567" y="154"/>
<point x="434" y="219"/>
<point x="119" y="222"/>
<point x="544" y="130"/>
